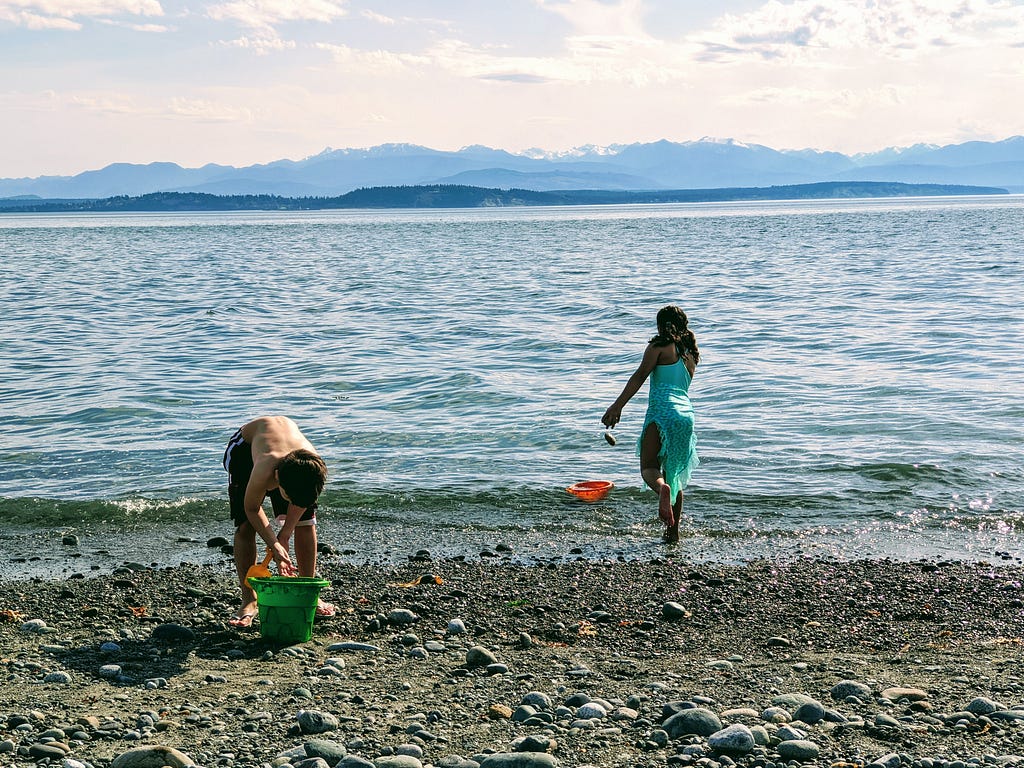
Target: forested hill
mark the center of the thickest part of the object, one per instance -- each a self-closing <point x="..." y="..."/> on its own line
<point x="457" y="196"/>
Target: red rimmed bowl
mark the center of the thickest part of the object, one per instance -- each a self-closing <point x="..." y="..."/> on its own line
<point x="591" y="490"/>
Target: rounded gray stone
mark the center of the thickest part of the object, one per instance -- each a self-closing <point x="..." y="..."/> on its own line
<point x="330" y="751"/>
<point x="152" y="757"/>
<point x="456" y="627"/>
<point x="801" y="750"/>
<point x="735" y="738"/>
<point x="315" y="721"/>
<point x="397" y="761"/>
<point x="790" y="733"/>
<point x="537" y="699"/>
<point x="401" y="617"/>
<point x="812" y="712"/>
<point x="983" y="706"/>
<point x="699" y="721"/>
<point x="351" y="645"/>
<point x="590" y="711"/>
<point x="776" y="715"/>
<point x="478" y="656"/>
<point x="760" y="734"/>
<point x="674" y="611"/>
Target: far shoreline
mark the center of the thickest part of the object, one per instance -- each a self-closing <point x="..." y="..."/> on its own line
<point x="451" y="196"/>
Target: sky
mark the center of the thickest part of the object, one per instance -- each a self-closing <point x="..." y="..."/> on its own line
<point x="86" y="83"/>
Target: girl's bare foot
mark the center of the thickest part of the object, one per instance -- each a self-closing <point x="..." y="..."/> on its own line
<point x="665" y="505"/>
<point x="671" y="535"/>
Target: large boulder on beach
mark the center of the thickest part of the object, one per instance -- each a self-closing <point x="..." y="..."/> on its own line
<point x="315" y="721"/>
<point x="537" y="699"/>
<point x="811" y="713"/>
<point x="735" y="739"/>
<point x="152" y="757"/>
<point x="697" y="721"/>
<point x="478" y="656"/>
<point x="330" y="751"/>
<point x="984" y="706"/>
<point x="801" y="750"/>
<point x="397" y="761"/>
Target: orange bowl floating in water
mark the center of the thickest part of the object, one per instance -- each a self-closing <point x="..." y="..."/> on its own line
<point x="591" y="490"/>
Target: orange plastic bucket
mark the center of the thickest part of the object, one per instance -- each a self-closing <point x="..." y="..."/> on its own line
<point x="591" y="490"/>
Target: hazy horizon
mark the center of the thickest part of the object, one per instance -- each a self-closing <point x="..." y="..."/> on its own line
<point x="243" y="82"/>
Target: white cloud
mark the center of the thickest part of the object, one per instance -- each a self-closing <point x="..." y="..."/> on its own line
<point x="892" y="28"/>
<point x="62" y="14"/>
<point x="108" y="103"/>
<point x="208" y="111"/>
<point x="266" y="14"/>
<point x="835" y="101"/>
<point x="261" y="44"/>
<point x="377" y="62"/>
<point x="378" y="18"/>
<point x="36" y="22"/>
<point x="154" y="28"/>
<point x="586" y="60"/>
<point x="593" y="17"/>
<point x="122" y="105"/>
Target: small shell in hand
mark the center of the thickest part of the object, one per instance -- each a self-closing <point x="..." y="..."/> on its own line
<point x="610" y="438"/>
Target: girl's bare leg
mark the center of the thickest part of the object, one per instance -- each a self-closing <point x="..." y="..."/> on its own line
<point x="650" y="471"/>
<point x="672" y="532"/>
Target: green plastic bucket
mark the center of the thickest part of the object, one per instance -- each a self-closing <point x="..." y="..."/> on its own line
<point x="287" y="606"/>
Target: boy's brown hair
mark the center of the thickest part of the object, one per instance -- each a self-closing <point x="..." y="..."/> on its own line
<point x="302" y="475"/>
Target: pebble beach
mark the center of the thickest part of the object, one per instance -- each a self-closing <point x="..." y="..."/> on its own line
<point x="460" y="663"/>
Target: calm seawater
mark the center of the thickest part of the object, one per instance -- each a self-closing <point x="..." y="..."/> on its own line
<point x="859" y="393"/>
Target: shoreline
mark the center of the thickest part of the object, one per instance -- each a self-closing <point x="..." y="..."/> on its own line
<point x="601" y="652"/>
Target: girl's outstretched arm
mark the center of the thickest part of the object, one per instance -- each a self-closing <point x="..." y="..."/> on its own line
<point x="647" y="364"/>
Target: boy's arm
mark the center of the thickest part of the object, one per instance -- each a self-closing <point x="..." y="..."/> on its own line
<point x="254" y="495"/>
<point x="290" y="521"/>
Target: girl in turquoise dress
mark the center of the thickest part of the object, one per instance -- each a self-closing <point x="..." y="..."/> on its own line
<point x="668" y="444"/>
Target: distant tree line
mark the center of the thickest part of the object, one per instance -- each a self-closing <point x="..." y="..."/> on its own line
<point x="460" y="196"/>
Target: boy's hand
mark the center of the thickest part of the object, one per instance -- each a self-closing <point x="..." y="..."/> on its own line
<point x="284" y="563"/>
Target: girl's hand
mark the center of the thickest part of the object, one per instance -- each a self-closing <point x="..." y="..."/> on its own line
<point x="611" y="416"/>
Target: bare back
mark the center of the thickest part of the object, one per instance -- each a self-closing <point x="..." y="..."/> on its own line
<point x="668" y="354"/>
<point x="272" y="438"/>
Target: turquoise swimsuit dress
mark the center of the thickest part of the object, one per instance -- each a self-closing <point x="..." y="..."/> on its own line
<point x="669" y="407"/>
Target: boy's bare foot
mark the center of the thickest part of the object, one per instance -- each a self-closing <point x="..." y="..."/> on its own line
<point x="245" y="616"/>
<point x="325" y="610"/>
<point x="665" y="505"/>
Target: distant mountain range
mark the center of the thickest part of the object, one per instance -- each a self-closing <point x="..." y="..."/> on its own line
<point x="661" y="165"/>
